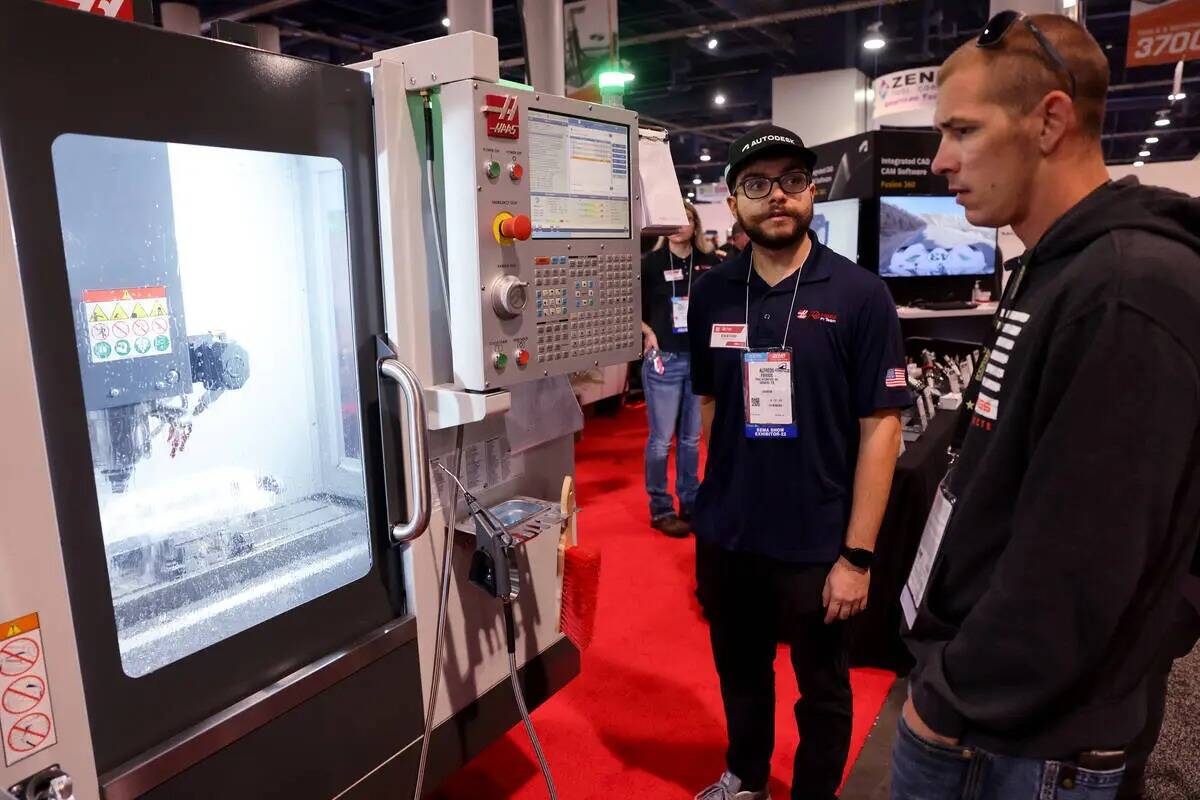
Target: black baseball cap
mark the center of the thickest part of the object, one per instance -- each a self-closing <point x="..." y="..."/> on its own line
<point x="761" y="141"/>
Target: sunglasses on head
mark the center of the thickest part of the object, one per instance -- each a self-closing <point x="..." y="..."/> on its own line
<point x="999" y="26"/>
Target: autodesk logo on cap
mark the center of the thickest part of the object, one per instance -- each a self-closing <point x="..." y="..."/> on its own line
<point x="771" y="138"/>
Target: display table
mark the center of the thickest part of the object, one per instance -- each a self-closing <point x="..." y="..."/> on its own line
<point x="981" y="310"/>
<point x="958" y="324"/>
<point x="875" y="634"/>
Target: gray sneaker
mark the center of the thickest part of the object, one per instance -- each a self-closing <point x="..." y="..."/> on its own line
<point x="729" y="788"/>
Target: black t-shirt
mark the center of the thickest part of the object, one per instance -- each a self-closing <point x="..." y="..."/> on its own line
<point x="658" y="289"/>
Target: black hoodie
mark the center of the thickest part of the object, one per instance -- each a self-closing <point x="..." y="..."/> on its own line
<point x="1078" y="489"/>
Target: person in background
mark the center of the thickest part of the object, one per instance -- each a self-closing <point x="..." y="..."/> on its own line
<point x="668" y="272"/>
<point x="736" y="243"/>
<point x="1049" y="574"/>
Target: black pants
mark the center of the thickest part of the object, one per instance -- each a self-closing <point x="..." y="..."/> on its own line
<point x="1185" y="631"/>
<point x="752" y="603"/>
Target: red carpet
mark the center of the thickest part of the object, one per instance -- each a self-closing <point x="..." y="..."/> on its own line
<point x="644" y="718"/>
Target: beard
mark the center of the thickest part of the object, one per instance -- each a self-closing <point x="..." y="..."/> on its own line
<point x="753" y="225"/>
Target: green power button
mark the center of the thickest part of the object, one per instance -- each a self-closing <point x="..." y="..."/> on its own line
<point x="500" y="360"/>
<point x="493" y="169"/>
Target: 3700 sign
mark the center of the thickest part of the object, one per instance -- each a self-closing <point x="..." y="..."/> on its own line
<point x="118" y="9"/>
<point x="1179" y="46"/>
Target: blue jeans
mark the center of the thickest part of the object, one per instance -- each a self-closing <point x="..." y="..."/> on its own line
<point x="923" y="770"/>
<point x="672" y="410"/>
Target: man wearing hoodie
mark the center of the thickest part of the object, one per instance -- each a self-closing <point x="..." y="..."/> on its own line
<point x="1049" y="573"/>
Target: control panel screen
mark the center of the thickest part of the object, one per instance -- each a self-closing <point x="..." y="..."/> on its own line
<point x="578" y="177"/>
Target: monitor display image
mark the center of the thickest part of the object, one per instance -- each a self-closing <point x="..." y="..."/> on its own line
<point x="931" y="237"/>
<point x="836" y="225"/>
<point x="578" y="177"/>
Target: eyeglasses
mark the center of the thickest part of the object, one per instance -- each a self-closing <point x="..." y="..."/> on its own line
<point x="791" y="183"/>
<point x="999" y="26"/>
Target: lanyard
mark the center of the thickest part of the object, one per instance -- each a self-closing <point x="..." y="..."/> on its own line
<point x="971" y="393"/>
<point x="691" y="257"/>
<point x="791" y="309"/>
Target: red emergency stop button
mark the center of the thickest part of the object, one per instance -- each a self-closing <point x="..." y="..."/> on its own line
<point x="522" y="357"/>
<point x="515" y="171"/>
<point x="519" y="227"/>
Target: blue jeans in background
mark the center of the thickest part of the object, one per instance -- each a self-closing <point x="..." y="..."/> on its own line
<point x="923" y="770"/>
<point x="672" y="410"/>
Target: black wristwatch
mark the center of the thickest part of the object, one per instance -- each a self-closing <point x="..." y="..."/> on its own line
<point x="857" y="556"/>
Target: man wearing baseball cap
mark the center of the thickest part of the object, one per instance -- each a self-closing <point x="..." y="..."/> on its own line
<point x="799" y="362"/>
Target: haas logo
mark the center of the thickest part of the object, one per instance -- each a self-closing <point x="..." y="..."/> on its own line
<point x="503" y="118"/>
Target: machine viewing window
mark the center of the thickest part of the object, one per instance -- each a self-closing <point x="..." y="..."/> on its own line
<point x="579" y="177"/>
<point x="211" y="297"/>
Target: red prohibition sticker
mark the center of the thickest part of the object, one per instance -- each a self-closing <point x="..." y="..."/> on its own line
<point x="29" y="733"/>
<point x="18" y="656"/>
<point x="23" y="694"/>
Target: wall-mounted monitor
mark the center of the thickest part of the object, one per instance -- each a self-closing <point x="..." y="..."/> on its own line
<point x="836" y="225"/>
<point x="930" y="237"/>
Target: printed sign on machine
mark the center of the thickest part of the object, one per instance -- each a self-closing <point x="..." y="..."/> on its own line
<point x="127" y="323"/>
<point x="26" y="716"/>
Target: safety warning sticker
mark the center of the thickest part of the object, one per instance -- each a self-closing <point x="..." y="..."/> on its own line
<point x="26" y="717"/>
<point x="127" y="323"/>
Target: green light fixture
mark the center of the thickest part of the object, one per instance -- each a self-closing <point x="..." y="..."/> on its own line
<point x="614" y="79"/>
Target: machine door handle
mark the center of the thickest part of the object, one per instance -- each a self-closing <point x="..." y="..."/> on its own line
<point x="416" y="441"/>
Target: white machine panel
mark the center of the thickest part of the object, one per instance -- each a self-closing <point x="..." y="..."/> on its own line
<point x="542" y="243"/>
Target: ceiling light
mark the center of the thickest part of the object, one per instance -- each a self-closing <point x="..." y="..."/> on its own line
<point x="1144" y="154"/>
<point x="874" y="39"/>
<point x="1151" y="140"/>
<point x="1162" y="122"/>
<point x="719" y="99"/>
<point x="696" y="181"/>
<point x="1139" y="163"/>
<point x="704" y="156"/>
<point x="1177" y="96"/>
<point x="445" y="22"/>
<point x="691" y="195"/>
<point x="712" y="43"/>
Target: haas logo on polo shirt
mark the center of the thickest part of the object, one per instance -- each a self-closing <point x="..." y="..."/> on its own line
<point x="818" y="316"/>
<point x="503" y="116"/>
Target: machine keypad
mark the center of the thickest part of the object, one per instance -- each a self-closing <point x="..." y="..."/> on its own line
<point x="585" y="305"/>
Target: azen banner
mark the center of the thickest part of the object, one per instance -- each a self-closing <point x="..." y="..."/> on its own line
<point x="1163" y="32"/>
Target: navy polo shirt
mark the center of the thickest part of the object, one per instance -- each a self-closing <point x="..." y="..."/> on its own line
<point x="790" y="499"/>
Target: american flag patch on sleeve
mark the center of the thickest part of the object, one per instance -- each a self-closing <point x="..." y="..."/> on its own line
<point x="895" y="379"/>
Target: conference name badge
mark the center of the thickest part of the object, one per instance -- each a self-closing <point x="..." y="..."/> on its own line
<point x="767" y="389"/>
<point x="732" y="335"/>
<point x="913" y="593"/>
<point x="679" y="312"/>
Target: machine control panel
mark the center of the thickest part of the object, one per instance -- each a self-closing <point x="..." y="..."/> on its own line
<point x="543" y="248"/>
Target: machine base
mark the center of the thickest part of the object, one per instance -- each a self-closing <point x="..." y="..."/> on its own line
<point x="345" y="743"/>
<point x="465" y="735"/>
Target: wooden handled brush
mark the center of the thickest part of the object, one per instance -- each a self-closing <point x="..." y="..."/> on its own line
<point x="579" y="568"/>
